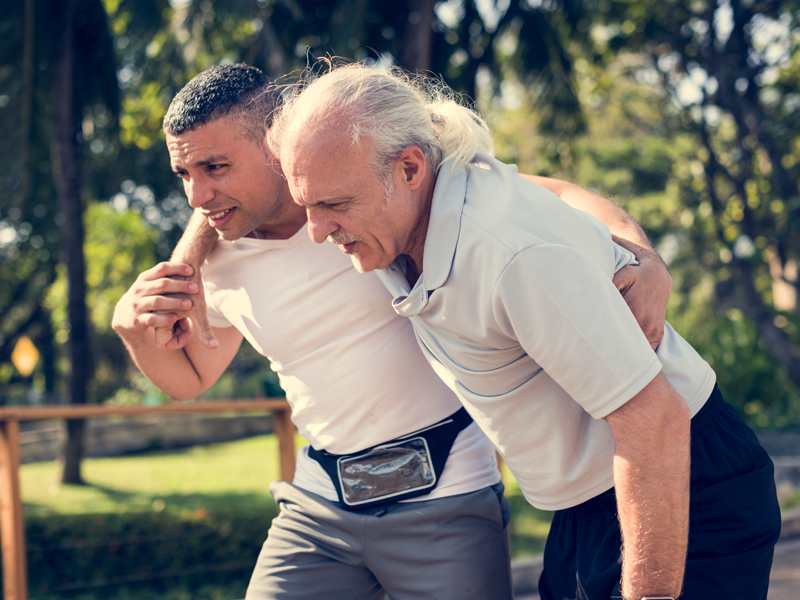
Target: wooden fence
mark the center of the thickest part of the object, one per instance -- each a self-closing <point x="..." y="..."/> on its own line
<point x="12" y="532"/>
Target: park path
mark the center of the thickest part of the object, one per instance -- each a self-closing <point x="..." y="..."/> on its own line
<point x="784" y="581"/>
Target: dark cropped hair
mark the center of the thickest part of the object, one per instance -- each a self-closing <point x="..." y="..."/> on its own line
<point x="239" y="91"/>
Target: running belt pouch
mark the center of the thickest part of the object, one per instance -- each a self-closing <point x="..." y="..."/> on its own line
<point x="402" y="468"/>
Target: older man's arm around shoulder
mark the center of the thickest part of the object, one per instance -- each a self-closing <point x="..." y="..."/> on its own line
<point x="646" y="287"/>
<point x="651" y="480"/>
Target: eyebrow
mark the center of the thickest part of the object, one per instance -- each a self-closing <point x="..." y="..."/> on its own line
<point x="204" y="163"/>
<point x="330" y="200"/>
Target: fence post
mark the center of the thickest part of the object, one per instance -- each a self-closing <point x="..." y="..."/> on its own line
<point x="12" y="531"/>
<point x="284" y="429"/>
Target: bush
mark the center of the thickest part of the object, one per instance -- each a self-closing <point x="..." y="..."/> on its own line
<point x="195" y="554"/>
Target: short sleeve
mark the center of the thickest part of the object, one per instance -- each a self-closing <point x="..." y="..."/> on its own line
<point x="563" y="309"/>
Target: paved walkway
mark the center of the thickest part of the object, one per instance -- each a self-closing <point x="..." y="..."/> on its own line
<point x="784" y="582"/>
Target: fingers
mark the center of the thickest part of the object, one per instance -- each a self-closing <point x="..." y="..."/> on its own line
<point x="164" y="305"/>
<point x="206" y="336"/>
<point x="165" y="285"/>
<point x="624" y="279"/>
<point x="645" y="300"/>
<point x="199" y="318"/>
<point x="174" y="337"/>
<point x="167" y="269"/>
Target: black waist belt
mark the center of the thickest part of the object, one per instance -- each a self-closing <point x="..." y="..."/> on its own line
<point x="405" y="467"/>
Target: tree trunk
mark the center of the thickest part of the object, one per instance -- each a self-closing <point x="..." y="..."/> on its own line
<point x="27" y="105"/>
<point x="66" y="172"/>
<point x="415" y="52"/>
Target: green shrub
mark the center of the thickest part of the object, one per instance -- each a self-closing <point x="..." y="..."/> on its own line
<point x="145" y="555"/>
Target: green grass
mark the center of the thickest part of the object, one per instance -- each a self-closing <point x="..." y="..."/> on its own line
<point x="529" y="525"/>
<point x="201" y="477"/>
<point x="792" y="501"/>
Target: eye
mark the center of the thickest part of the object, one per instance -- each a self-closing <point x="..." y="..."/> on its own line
<point x="338" y="205"/>
<point x="216" y="167"/>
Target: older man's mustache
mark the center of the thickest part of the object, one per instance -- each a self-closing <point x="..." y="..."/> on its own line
<point x="343" y="237"/>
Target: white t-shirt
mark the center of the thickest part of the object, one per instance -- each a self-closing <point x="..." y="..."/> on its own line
<point x="351" y="368"/>
<point x="516" y="310"/>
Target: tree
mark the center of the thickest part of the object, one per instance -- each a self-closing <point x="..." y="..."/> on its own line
<point x="74" y="48"/>
<point x="733" y="70"/>
<point x="698" y="161"/>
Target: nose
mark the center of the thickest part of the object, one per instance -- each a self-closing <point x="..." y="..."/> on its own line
<point x="319" y="226"/>
<point x="198" y="191"/>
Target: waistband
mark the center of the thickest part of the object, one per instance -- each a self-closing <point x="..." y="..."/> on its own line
<point x="460" y="419"/>
<point x="709" y="411"/>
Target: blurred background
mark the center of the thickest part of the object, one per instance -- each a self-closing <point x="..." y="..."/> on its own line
<point x="686" y="112"/>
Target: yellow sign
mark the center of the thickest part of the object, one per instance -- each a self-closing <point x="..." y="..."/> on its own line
<point x="25" y="356"/>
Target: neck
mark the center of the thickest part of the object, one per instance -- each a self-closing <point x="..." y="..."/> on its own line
<point x="416" y="251"/>
<point x="293" y="219"/>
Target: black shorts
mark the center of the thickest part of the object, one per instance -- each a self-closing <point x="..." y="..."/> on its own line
<point x="734" y="522"/>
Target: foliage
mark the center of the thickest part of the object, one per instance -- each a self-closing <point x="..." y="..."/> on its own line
<point x="118" y="246"/>
<point x="685" y="110"/>
<point x="186" y="523"/>
<point x="146" y="553"/>
<point x="682" y="153"/>
<point x="731" y="71"/>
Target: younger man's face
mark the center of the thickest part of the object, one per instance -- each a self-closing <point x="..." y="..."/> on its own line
<point x="232" y="179"/>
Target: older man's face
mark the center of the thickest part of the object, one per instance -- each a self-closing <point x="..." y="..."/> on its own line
<point x="346" y="202"/>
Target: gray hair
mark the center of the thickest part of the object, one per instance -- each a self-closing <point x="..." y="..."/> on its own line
<point x="391" y="109"/>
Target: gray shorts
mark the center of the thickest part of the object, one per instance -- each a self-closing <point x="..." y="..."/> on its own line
<point x="453" y="548"/>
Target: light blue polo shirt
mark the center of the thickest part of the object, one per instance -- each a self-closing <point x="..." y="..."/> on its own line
<point x="516" y="311"/>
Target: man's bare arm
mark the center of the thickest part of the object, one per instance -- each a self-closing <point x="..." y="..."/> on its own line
<point x="195" y="244"/>
<point x="651" y="481"/>
<point x="647" y="287"/>
<point x="151" y="303"/>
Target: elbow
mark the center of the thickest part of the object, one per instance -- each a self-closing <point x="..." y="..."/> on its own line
<point x="180" y="395"/>
<point x="657" y="417"/>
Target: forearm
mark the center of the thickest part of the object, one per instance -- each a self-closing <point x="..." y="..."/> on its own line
<point x="651" y="478"/>
<point x="171" y="371"/>
<point x="196" y="242"/>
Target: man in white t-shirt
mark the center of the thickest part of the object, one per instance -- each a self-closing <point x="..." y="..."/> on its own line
<point x="511" y="296"/>
<point x="422" y="516"/>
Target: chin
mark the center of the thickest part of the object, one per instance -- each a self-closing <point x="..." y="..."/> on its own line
<point x="229" y="234"/>
<point x="360" y="265"/>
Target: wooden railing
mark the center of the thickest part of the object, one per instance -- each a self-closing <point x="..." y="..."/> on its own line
<point x="12" y="532"/>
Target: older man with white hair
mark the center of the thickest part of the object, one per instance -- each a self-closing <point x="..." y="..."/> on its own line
<point x="511" y="297"/>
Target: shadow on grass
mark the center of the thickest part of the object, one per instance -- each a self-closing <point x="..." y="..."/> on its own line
<point x="225" y="502"/>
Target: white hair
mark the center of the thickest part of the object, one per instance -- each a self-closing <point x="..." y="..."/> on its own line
<point x="391" y="109"/>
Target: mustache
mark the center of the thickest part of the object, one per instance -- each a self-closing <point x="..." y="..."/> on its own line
<point x="343" y="237"/>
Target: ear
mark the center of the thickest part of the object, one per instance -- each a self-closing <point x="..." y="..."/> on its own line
<point x="413" y="167"/>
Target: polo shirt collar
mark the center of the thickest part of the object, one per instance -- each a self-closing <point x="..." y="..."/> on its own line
<point x="444" y="226"/>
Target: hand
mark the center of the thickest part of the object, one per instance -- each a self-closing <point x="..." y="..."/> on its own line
<point x="195" y="319"/>
<point x="646" y="288"/>
<point x="147" y="303"/>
